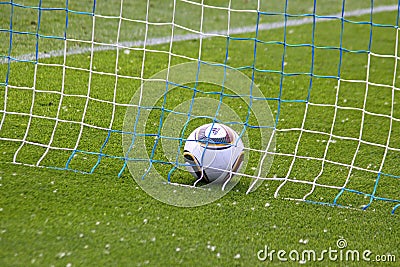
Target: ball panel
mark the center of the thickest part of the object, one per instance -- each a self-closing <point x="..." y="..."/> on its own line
<point x="238" y="163"/>
<point x="214" y="136"/>
<point x="193" y="166"/>
<point x="215" y="130"/>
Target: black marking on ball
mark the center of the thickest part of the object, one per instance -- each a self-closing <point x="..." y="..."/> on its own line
<point x="194" y="164"/>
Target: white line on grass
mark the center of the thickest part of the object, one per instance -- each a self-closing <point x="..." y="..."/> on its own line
<point x="195" y="36"/>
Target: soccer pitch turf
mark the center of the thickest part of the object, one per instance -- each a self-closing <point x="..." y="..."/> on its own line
<point x="67" y="218"/>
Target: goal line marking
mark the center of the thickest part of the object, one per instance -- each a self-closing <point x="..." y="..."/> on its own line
<point x="196" y="36"/>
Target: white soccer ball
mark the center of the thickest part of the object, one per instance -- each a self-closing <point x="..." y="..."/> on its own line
<point x="213" y="152"/>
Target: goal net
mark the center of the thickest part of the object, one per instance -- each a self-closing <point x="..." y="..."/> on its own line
<point x="310" y="86"/>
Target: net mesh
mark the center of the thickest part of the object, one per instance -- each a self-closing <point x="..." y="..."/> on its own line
<point x="327" y="71"/>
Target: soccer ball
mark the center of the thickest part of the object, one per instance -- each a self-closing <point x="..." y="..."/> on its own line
<point x="212" y="152"/>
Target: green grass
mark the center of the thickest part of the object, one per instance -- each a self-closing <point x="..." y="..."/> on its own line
<point x="55" y="217"/>
<point x="80" y="22"/>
